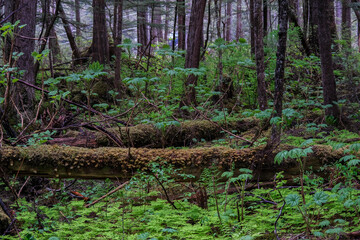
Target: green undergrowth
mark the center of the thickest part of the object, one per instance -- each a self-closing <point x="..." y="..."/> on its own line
<point x="122" y="217"/>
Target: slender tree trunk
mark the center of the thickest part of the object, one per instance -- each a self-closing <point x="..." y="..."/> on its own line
<point x="252" y="24"/>
<point x="70" y="36"/>
<point x="313" y="27"/>
<point x="100" y="44"/>
<point x="194" y="45"/>
<point x="228" y="21"/>
<point x="259" y="54"/>
<point x="118" y="40"/>
<point x="181" y="23"/>
<point x="346" y="23"/>
<point x="77" y="18"/>
<point x="280" y="69"/>
<point x="305" y="18"/>
<point x="265" y="16"/>
<point x="115" y="20"/>
<point x="167" y="13"/>
<point x="158" y="22"/>
<point x="327" y="73"/>
<point x="239" y="30"/>
<point x="53" y="40"/>
<point x="332" y="26"/>
<point x="218" y="17"/>
<point x="142" y="35"/>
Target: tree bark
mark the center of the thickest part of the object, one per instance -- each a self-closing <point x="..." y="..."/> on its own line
<point x="280" y="69"/>
<point x="228" y="21"/>
<point x="167" y="13"/>
<point x="118" y="40"/>
<point x="25" y="43"/>
<point x="239" y="30"/>
<point x="252" y="25"/>
<point x="327" y="73"/>
<point x="313" y="27"/>
<point x="194" y="44"/>
<point x="346" y="23"/>
<point x="100" y="44"/>
<point x="259" y="54"/>
<point x="142" y="34"/>
<point x="77" y="18"/>
<point x="157" y="22"/>
<point x="181" y="23"/>
<point x="69" y="34"/>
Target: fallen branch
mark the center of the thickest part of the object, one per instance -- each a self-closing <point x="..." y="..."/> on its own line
<point x="108" y="194"/>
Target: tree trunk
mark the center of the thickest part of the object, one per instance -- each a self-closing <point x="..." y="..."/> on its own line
<point x="218" y="17"/>
<point x="265" y="16"/>
<point x="181" y="23"/>
<point x="77" y="18"/>
<point x="239" y="30"/>
<point x="142" y="34"/>
<point x="228" y="21"/>
<point x="157" y="22"/>
<point x="118" y="40"/>
<point x="26" y="44"/>
<point x="346" y="23"/>
<point x="313" y="27"/>
<point x="252" y="24"/>
<point x="259" y="54"/>
<point x="53" y="41"/>
<point x="70" y="36"/>
<point x="167" y="13"/>
<point x="327" y="73"/>
<point x="100" y="44"/>
<point x="194" y="44"/>
<point x="279" y="70"/>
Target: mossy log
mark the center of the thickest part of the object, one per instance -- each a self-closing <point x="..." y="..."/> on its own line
<point x="145" y="135"/>
<point x="75" y="162"/>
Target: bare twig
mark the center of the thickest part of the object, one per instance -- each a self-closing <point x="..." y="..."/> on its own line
<point x="108" y="194"/>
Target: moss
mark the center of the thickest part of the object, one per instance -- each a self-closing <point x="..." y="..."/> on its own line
<point x="55" y="161"/>
<point x="177" y="136"/>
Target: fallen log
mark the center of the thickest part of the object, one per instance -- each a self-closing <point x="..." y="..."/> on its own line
<point x="146" y="135"/>
<point x="75" y="162"/>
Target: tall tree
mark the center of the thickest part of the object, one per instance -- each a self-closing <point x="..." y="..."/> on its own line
<point x="313" y="27"/>
<point x="26" y="13"/>
<point x="75" y="50"/>
<point x="239" y="30"/>
<point x="100" y="44"/>
<point x="327" y="73"/>
<point x="181" y="23"/>
<point x="118" y="40"/>
<point x="279" y="70"/>
<point x="252" y="24"/>
<point x="77" y="18"/>
<point x="346" y="22"/>
<point x="142" y="34"/>
<point x="259" y="54"/>
<point x="228" y="21"/>
<point x="194" y="44"/>
<point x="167" y="14"/>
<point x="157" y="22"/>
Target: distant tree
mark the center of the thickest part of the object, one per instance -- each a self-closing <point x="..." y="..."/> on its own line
<point x="228" y="21"/>
<point x="75" y="50"/>
<point x="346" y="22"/>
<point x="25" y="43"/>
<point x="252" y="24"/>
<point x="181" y="23"/>
<point x="157" y="21"/>
<point x="313" y="27"/>
<point x="327" y="73"/>
<point x="77" y="18"/>
<point x="259" y="54"/>
<point x="194" y="44"/>
<point x="100" y="44"/>
<point x="239" y="30"/>
<point x="118" y="40"/>
<point x="142" y="34"/>
<point x="280" y="69"/>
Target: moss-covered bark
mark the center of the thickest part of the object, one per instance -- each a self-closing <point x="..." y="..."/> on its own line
<point x="149" y="136"/>
<point x="60" y="161"/>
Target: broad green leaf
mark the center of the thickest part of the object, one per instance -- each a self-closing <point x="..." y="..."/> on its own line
<point x="293" y="199"/>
